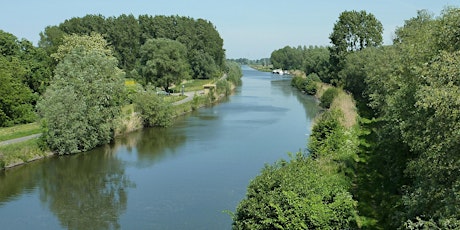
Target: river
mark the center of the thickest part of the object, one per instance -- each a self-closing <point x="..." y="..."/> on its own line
<point x="182" y="177"/>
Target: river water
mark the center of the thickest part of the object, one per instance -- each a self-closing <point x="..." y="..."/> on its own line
<point x="182" y="177"/>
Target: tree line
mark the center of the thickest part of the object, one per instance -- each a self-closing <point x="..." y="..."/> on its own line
<point x="401" y="168"/>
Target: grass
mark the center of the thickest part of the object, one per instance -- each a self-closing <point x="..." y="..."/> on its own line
<point x="346" y="104"/>
<point x="192" y="85"/>
<point x="18" y="131"/>
<point x="263" y="68"/>
<point x="342" y="101"/>
<point x="18" y="153"/>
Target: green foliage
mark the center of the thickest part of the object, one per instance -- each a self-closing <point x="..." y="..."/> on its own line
<point x="91" y="43"/>
<point x="123" y="33"/>
<point x="299" y="194"/>
<point x="24" y="73"/>
<point x="80" y="106"/>
<point x="307" y="84"/>
<point x="328" y="96"/>
<point x="163" y="62"/>
<point x="411" y="149"/>
<point x="126" y="34"/>
<point x="316" y="61"/>
<point x="352" y="32"/>
<point x="308" y="192"/>
<point x="234" y="72"/>
<point x="322" y="138"/>
<point x="223" y="87"/>
<point x="287" y="58"/>
<point x="153" y="108"/>
<point x="17" y="153"/>
<point x="15" y="97"/>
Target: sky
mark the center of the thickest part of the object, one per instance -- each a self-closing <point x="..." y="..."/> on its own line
<point x="251" y="29"/>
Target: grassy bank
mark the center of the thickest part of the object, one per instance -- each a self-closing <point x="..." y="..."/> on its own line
<point x="19" y="153"/>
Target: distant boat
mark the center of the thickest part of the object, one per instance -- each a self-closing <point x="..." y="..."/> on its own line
<point x="278" y="71"/>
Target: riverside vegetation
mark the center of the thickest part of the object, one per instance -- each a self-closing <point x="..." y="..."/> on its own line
<point x="396" y="165"/>
<point x="83" y="85"/>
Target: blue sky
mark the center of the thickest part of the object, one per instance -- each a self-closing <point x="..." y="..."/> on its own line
<point x="250" y="28"/>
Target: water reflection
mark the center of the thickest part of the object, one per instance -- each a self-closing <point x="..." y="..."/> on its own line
<point x="14" y="181"/>
<point x="86" y="192"/>
<point x="151" y="145"/>
<point x="308" y="102"/>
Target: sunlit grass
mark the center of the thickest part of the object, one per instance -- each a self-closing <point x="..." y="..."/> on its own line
<point x="18" y="131"/>
<point x="192" y="85"/>
<point x="346" y="104"/>
<point x="21" y="152"/>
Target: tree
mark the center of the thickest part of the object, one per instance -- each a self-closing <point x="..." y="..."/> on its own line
<point x="163" y="62"/>
<point x="88" y="43"/>
<point x="15" y="98"/>
<point x="353" y="31"/>
<point x="434" y="136"/>
<point x="124" y="36"/>
<point x="287" y="58"/>
<point x="203" y="66"/>
<point x="153" y="109"/>
<point x="79" y="107"/>
<point x="316" y="60"/>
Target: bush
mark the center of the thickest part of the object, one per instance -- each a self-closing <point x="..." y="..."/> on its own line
<point x="300" y="194"/>
<point x="325" y="133"/>
<point x="307" y="85"/>
<point x="154" y="110"/>
<point x="328" y="96"/>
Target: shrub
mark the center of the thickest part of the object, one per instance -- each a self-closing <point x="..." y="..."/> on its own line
<point x="299" y="194"/>
<point x="328" y="96"/>
<point x="154" y="110"/>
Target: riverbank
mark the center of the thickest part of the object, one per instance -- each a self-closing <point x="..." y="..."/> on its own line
<point x="15" y="154"/>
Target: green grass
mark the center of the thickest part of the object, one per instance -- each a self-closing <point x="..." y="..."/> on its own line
<point x="21" y="152"/>
<point x="172" y="98"/>
<point x="267" y="68"/>
<point x="18" y="131"/>
<point x="192" y="85"/>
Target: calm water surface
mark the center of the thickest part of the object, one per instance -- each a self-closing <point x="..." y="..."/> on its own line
<point x="182" y="177"/>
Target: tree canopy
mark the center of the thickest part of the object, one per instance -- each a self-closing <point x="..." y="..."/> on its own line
<point x="78" y="109"/>
<point x="126" y="34"/>
<point x="354" y="31"/>
<point x="24" y="73"/>
<point x="163" y="62"/>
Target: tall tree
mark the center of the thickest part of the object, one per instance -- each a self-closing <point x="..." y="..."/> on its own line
<point x="80" y="105"/>
<point x="287" y="58"/>
<point x="163" y="62"/>
<point x="16" y="98"/>
<point x="353" y="31"/>
<point x="124" y="35"/>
